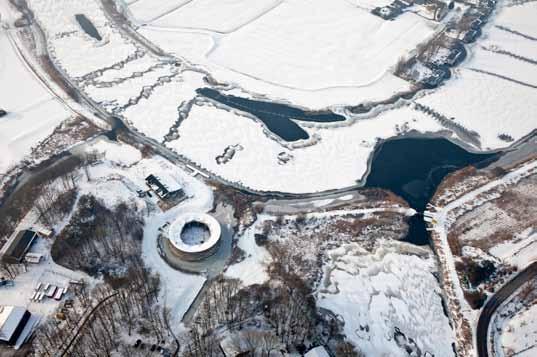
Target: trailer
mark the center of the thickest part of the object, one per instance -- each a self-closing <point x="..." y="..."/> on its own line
<point x="59" y="294"/>
<point x="46" y="233"/>
<point x="33" y="258"/>
<point x="51" y="291"/>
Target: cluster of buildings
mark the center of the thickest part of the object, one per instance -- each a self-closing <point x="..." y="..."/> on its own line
<point x="16" y="322"/>
<point x="433" y="9"/>
<point x="48" y="291"/>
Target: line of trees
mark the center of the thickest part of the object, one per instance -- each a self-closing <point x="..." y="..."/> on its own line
<point x="280" y="315"/>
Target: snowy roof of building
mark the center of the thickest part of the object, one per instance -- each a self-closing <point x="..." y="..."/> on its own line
<point x="10" y="317"/>
<point x="318" y="351"/>
<point x="167" y="181"/>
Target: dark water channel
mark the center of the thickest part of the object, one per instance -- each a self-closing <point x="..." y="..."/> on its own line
<point x="278" y="118"/>
<point x="414" y="167"/>
<point x="88" y="26"/>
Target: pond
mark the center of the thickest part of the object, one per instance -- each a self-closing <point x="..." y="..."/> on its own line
<point x="278" y="118"/>
<point x="88" y="26"/>
<point x="414" y="167"/>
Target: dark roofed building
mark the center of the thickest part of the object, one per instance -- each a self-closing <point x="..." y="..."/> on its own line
<point x="165" y="188"/>
<point x="13" y="320"/>
<point x="17" y="247"/>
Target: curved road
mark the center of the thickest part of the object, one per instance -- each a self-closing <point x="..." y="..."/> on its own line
<point x="482" y="334"/>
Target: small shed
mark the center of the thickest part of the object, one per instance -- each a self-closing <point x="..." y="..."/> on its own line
<point x="33" y="258"/>
<point x="46" y="232"/>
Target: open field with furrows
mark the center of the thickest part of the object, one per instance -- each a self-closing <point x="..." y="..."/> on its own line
<point x="496" y="238"/>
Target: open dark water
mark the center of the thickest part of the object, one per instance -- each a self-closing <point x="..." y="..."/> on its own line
<point x="278" y="118"/>
<point x="414" y="167"/>
<point x="88" y="26"/>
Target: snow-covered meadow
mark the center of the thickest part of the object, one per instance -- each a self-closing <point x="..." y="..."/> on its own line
<point x="341" y="55"/>
<point x="519" y="336"/>
<point x="74" y="51"/>
<point x="312" y="45"/>
<point x="494" y="92"/>
<point x="384" y="290"/>
<point x="394" y="288"/>
<point x="225" y="16"/>
<point x="314" y="54"/>
<point x="33" y="111"/>
<point x="338" y="159"/>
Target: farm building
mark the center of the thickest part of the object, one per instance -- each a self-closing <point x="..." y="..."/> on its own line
<point x="17" y="247"/>
<point x="164" y="187"/>
<point x="15" y="325"/>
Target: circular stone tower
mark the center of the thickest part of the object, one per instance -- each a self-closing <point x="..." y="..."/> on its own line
<point x="194" y="236"/>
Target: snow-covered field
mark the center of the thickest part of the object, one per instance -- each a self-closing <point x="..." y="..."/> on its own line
<point x="167" y="99"/>
<point x="442" y="220"/>
<point x="392" y="288"/>
<point x="520" y="250"/>
<point x="341" y="54"/>
<point x="514" y="326"/>
<point x="519" y="336"/>
<point x="150" y="10"/>
<point x="311" y="53"/>
<point x="339" y="159"/>
<point x="377" y="285"/>
<point x="484" y="102"/>
<point x="503" y="227"/>
<point x="223" y="16"/>
<point x="72" y="48"/>
<point x="312" y="45"/>
<point x="33" y="112"/>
